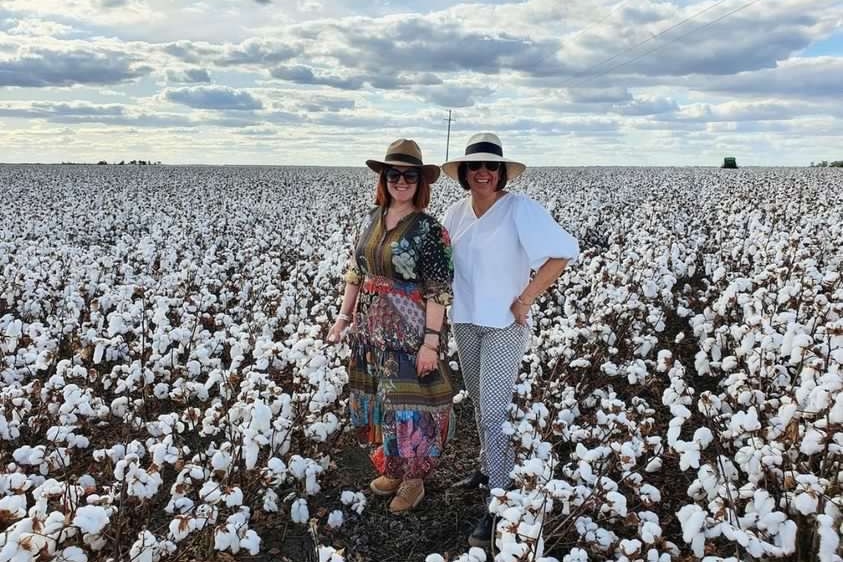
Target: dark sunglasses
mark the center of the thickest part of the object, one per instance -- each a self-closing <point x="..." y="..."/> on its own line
<point x="491" y="166"/>
<point x="410" y="176"/>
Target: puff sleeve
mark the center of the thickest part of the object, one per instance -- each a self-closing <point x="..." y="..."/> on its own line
<point x="436" y="267"/>
<point x="541" y="236"/>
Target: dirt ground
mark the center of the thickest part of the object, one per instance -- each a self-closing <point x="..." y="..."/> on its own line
<point x="441" y="523"/>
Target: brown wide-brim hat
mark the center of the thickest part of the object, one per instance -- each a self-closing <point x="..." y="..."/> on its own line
<point x="405" y="153"/>
<point x="484" y="147"/>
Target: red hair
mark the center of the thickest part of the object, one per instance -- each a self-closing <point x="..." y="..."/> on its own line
<point x="421" y="198"/>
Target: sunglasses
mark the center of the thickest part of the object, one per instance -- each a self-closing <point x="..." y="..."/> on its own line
<point x="410" y="176"/>
<point x="491" y="166"/>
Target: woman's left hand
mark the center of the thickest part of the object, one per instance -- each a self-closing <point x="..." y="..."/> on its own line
<point x="520" y="310"/>
<point x="427" y="361"/>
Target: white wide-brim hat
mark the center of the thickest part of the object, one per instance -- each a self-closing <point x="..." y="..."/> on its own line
<point x="483" y="147"/>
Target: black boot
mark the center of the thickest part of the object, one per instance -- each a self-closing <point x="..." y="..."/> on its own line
<point x="473" y="481"/>
<point x="481" y="536"/>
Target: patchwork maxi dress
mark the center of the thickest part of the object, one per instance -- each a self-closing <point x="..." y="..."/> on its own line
<point x="398" y="270"/>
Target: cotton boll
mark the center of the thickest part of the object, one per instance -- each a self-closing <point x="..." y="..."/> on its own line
<point x="13" y="507"/>
<point x="299" y="512"/>
<point x="251" y="542"/>
<point x="72" y="554"/>
<point x="329" y="554"/>
<point x="180" y="527"/>
<point x="91" y="519"/>
<point x="336" y="519"/>
<point x="234" y="497"/>
<point x="692" y="519"/>
<point x="806" y="503"/>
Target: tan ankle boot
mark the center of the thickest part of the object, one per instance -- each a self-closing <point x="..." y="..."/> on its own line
<point x="409" y="495"/>
<point x="384" y="485"/>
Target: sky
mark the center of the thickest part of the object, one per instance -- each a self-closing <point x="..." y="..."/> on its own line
<point x="333" y="82"/>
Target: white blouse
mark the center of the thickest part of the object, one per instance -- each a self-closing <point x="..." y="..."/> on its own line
<point x="493" y="255"/>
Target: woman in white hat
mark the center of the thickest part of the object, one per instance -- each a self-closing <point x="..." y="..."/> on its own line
<point x="397" y="287"/>
<point x="498" y="238"/>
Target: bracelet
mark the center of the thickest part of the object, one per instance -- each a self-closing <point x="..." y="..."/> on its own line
<point x="343" y="316"/>
<point x="430" y="347"/>
<point x="431" y="331"/>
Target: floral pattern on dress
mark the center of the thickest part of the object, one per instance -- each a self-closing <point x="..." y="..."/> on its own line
<point x="398" y="270"/>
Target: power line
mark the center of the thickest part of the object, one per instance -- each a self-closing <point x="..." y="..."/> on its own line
<point x="675" y="39"/>
<point x="607" y="16"/>
<point x="587" y="74"/>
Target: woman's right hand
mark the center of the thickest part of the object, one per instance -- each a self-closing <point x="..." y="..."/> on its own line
<point x="337" y="331"/>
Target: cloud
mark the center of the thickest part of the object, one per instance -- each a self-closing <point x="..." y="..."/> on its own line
<point x="449" y="95"/>
<point x="817" y="77"/>
<point x="213" y="97"/>
<point x="256" y="52"/>
<point x="318" y="104"/>
<point x="188" y="75"/>
<point x="645" y="105"/>
<point x="106" y="4"/>
<point x="599" y="95"/>
<point x="35" y="27"/>
<point x="304" y="75"/>
<point x="33" y="66"/>
<point x="85" y="112"/>
<point x="762" y="110"/>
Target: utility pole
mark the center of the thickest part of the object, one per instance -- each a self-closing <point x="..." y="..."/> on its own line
<point x="448" y="139"/>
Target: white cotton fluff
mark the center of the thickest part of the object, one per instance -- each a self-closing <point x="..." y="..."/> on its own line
<point x="180" y="527"/>
<point x="355" y="500"/>
<point x="329" y="554"/>
<point x="335" y="519"/>
<point x="829" y="539"/>
<point x="650" y="532"/>
<point x="299" y="512"/>
<point x="806" y="502"/>
<point x="576" y="555"/>
<point x="72" y="554"/>
<point x="211" y="492"/>
<point x="692" y="519"/>
<point x="813" y="442"/>
<point x="91" y="519"/>
<point x="13" y="507"/>
<point x="251" y="542"/>
<point x="234" y="497"/>
<point x="630" y="547"/>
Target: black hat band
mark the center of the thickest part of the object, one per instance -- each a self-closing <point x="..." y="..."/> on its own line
<point x="404" y="158"/>
<point x="488" y="147"/>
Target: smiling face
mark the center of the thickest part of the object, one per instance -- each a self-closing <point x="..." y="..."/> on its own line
<point x="482" y="182"/>
<point x="400" y="188"/>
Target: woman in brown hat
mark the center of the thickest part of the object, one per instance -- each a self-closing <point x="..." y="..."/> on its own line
<point x="396" y="289"/>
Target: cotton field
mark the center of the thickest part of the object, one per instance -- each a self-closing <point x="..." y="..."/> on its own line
<point x="165" y="383"/>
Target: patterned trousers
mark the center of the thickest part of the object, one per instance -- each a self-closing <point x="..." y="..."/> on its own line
<point x="490" y="359"/>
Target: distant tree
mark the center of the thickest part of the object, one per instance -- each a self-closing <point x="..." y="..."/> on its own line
<point x="102" y="163"/>
<point x="836" y="164"/>
<point x="123" y="163"/>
